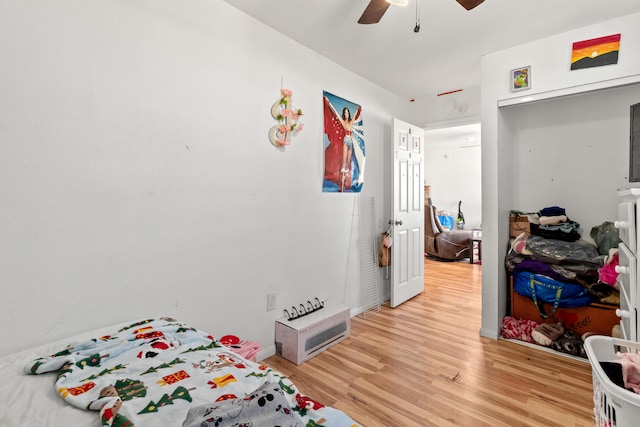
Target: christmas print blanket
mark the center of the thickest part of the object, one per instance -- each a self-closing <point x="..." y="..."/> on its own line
<point x="163" y="373"/>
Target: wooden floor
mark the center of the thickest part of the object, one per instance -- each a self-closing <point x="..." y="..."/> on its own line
<point x="425" y="364"/>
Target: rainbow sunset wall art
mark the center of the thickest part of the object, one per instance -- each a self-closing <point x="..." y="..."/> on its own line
<point x="595" y="52"/>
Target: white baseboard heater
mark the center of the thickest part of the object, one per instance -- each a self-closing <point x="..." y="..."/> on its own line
<point x="300" y="339"/>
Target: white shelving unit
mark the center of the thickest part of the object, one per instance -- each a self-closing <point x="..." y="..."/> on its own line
<point x="627" y="269"/>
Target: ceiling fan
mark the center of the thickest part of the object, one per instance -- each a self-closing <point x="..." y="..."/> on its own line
<point x="376" y="8"/>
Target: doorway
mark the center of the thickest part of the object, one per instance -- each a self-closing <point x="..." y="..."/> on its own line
<point x="453" y="170"/>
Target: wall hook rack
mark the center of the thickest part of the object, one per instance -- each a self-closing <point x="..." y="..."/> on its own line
<point x="303" y="310"/>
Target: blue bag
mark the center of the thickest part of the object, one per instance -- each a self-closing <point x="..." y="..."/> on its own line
<point x="446" y="221"/>
<point x="542" y="289"/>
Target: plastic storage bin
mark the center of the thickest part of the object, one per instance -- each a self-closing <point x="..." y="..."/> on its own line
<point x="613" y="405"/>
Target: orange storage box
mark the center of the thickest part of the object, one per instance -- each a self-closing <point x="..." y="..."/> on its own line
<point x="597" y="318"/>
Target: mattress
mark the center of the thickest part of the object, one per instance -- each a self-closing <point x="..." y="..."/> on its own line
<point x="153" y="372"/>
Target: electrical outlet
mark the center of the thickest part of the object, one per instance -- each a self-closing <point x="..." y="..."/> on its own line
<point x="271" y="302"/>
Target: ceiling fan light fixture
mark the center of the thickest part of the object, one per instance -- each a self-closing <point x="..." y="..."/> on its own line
<point x="398" y="2"/>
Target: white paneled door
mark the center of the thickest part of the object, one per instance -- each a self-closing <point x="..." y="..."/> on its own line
<point x="407" y="249"/>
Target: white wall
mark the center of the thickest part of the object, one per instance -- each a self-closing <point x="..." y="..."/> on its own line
<point x="565" y="151"/>
<point x="454" y="174"/>
<point x="137" y="179"/>
<point x="507" y="136"/>
<point x="457" y="108"/>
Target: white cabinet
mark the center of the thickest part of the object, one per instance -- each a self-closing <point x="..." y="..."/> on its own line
<point x="627" y="225"/>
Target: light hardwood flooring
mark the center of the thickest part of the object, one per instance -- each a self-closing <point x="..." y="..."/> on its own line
<point x="425" y="364"/>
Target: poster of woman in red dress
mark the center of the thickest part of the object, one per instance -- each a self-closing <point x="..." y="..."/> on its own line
<point x="344" y="153"/>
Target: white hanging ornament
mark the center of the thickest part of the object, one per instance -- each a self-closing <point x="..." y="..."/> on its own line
<point x="288" y="118"/>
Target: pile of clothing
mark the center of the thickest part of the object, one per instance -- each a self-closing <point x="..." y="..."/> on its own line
<point x="625" y="372"/>
<point x="554" y="249"/>
<point x="552" y="223"/>
<point x="552" y="335"/>
<point x="554" y="266"/>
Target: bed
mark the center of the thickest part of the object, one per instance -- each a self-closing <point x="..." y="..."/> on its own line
<point x="153" y="372"/>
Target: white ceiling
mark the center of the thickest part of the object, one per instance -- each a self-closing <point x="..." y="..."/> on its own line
<point x="445" y="54"/>
<point x="465" y="136"/>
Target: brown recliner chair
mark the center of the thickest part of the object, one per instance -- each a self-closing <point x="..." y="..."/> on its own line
<point x="444" y="244"/>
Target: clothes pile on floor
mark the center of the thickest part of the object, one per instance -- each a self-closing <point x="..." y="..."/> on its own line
<point x="625" y="372"/>
<point x="552" y="335"/>
<point x="551" y="266"/>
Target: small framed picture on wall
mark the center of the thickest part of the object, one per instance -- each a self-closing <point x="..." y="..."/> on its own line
<point x="521" y="78"/>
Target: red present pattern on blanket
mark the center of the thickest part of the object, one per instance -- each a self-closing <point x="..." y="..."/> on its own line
<point x="173" y="378"/>
<point x="144" y="329"/>
<point x="149" y="335"/>
<point x="75" y="391"/>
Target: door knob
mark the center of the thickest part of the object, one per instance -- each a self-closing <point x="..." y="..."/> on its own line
<point x="398" y="222"/>
<point x="621" y="269"/>
<point x="623" y="313"/>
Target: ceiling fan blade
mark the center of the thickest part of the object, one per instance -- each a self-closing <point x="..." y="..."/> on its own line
<point x="469" y="4"/>
<point x="374" y="11"/>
